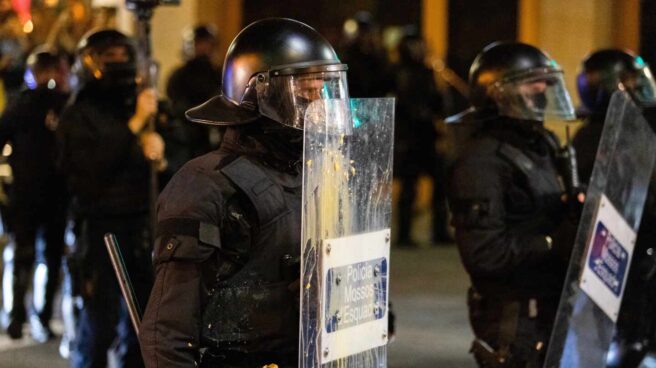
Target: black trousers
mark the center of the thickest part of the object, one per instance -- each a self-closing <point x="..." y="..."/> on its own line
<point x="104" y="322"/>
<point x="434" y="166"/>
<point x="523" y="335"/>
<point x="29" y="223"/>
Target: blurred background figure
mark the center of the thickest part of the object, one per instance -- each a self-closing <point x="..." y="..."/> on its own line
<point x="71" y="24"/>
<point x="13" y="48"/>
<point x="363" y="53"/>
<point x="602" y="73"/>
<point x="106" y="152"/>
<point x="418" y="106"/>
<point x="37" y="197"/>
<point x="190" y="85"/>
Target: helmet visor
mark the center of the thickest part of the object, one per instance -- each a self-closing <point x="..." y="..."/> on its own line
<point x="642" y="87"/>
<point x="534" y="96"/>
<point x="285" y="98"/>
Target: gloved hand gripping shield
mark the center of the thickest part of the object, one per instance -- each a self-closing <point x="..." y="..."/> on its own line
<point x="605" y="241"/>
<point x="347" y="186"/>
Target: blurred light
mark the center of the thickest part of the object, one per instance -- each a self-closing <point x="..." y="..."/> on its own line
<point x="78" y="11"/>
<point x="51" y="3"/>
<point x="28" y="27"/>
<point x="52" y="84"/>
<point x="40" y="279"/>
<point x="105" y="3"/>
<point x="350" y="27"/>
<point x="22" y="8"/>
<point x="438" y="65"/>
<point x="30" y="82"/>
<point x="7" y="150"/>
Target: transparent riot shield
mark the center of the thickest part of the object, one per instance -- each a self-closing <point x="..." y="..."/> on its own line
<point x="347" y="190"/>
<point x="600" y="260"/>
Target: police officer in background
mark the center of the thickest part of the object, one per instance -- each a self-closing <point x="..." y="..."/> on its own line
<point x="602" y="73"/>
<point x="512" y="225"/>
<point x="190" y="85"/>
<point x="105" y="154"/>
<point x="229" y="222"/>
<point x="37" y="197"/>
<point x="418" y="104"/>
<point x="364" y="53"/>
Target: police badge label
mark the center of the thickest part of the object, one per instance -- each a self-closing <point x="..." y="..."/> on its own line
<point x="610" y="248"/>
<point x="355" y="291"/>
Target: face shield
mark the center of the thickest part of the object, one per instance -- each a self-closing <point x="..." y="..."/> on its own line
<point x="285" y="94"/>
<point x="112" y="66"/>
<point x="533" y="95"/>
<point x="642" y="87"/>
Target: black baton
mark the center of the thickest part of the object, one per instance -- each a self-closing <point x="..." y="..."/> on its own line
<point x="124" y="282"/>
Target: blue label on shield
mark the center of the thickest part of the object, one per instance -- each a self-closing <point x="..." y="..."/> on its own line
<point x="355" y="294"/>
<point x="609" y="260"/>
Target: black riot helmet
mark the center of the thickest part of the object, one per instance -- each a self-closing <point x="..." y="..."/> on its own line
<point x="412" y="48"/>
<point x="518" y="81"/>
<point x="606" y="71"/>
<point x="275" y="68"/>
<point x="43" y="68"/>
<point x="106" y="57"/>
<point x="202" y="33"/>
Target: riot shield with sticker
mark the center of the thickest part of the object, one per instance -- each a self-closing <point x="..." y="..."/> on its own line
<point x="604" y="246"/>
<point x="347" y="189"/>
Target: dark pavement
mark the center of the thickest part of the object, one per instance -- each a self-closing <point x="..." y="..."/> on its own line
<point x="428" y="288"/>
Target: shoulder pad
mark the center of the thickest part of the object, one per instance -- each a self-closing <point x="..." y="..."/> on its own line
<point x="196" y="191"/>
<point x="264" y="194"/>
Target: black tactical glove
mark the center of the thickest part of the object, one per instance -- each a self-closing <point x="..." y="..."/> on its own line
<point x="563" y="237"/>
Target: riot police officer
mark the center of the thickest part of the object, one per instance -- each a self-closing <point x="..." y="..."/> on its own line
<point x="105" y="156"/>
<point x="228" y="235"/>
<point x="37" y="198"/>
<point x="602" y="73"/>
<point x="505" y="193"/>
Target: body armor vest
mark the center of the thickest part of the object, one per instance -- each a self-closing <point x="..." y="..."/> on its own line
<point x="542" y="181"/>
<point x="256" y="310"/>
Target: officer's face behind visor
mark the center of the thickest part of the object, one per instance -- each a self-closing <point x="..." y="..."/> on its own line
<point x="534" y="95"/>
<point x="284" y="96"/>
<point x="642" y="87"/>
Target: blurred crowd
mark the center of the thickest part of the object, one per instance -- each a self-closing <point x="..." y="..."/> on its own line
<point x="69" y="178"/>
<point x="73" y="169"/>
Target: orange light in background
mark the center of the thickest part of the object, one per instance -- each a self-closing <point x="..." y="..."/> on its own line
<point x="28" y="27"/>
<point x="78" y="11"/>
<point x="22" y="9"/>
<point x="51" y="3"/>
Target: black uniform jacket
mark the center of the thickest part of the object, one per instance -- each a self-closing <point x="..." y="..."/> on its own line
<point x="504" y="191"/>
<point x="29" y="124"/>
<point x="205" y="238"/>
<point x="106" y="171"/>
